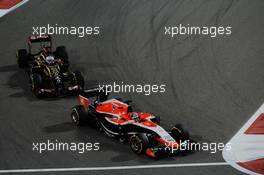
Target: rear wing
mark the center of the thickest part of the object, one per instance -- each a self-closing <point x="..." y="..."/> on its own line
<point x="84" y="96"/>
<point x="99" y="93"/>
<point x="37" y="39"/>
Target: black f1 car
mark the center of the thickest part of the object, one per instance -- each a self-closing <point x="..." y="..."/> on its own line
<point x="116" y="118"/>
<point x="48" y="71"/>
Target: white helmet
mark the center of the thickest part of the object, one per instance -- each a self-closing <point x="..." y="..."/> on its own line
<point x="135" y="116"/>
<point x="50" y="59"/>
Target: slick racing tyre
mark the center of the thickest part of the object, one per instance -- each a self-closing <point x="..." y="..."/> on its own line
<point x="36" y="83"/>
<point x="62" y="54"/>
<point x="79" y="80"/>
<point x="78" y="115"/>
<point x="179" y="134"/>
<point x="22" y="59"/>
<point x="139" y="143"/>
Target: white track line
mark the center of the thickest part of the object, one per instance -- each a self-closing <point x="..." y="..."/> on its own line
<point x="245" y="147"/>
<point x="113" y="167"/>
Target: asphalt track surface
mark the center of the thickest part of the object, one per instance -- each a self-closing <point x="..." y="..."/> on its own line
<point x="213" y="84"/>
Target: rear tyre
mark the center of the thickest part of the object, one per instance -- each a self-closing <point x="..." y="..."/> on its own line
<point x="79" y="80"/>
<point x="179" y="134"/>
<point x="61" y="53"/>
<point x="22" y="59"/>
<point x="139" y="143"/>
<point x="36" y="84"/>
<point x="78" y="114"/>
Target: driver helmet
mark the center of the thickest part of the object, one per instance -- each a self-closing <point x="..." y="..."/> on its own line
<point x="135" y="116"/>
<point x="50" y="59"/>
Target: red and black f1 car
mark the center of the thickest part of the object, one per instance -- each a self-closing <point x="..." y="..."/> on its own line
<point x="116" y="118"/>
<point x="48" y="70"/>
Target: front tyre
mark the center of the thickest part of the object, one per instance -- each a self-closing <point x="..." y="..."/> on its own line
<point x="139" y="143"/>
<point x="78" y="115"/>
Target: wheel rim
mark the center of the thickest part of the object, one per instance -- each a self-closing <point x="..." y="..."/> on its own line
<point x="135" y="145"/>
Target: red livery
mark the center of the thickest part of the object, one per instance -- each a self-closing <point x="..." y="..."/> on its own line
<point x="116" y="118"/>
